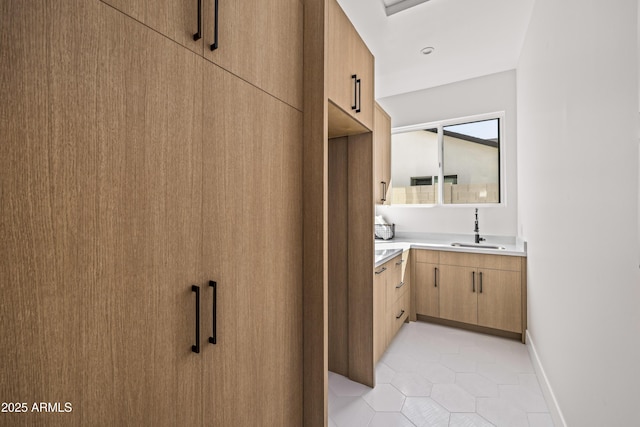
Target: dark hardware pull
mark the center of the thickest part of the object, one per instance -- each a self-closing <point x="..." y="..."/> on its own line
<point x="384" y="191"/>
<point x="359" y="95"/>
<point x="197" y="36"/>
<point x="382" y="271"/>
<point x="481" y="282"/>
<point x="400" y="262"/>
<point x="400" y="315"/>
<point x="214" y="285"/>
<point x="400" y="285"/>
<point x="473" y="281"/>
<point x="214" y="46"/>
<point x="435" y="277"/>
<point x="354" y="77"/>
<point x="196" y="348"/>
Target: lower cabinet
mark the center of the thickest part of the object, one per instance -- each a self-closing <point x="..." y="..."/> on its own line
<point x="392" y="300"/>
<point x="476" y="289"/>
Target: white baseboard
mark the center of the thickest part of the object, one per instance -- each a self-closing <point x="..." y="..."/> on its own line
<point x="554" y="408"/>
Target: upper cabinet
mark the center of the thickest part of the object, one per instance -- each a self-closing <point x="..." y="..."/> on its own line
<point x="382" y="153"/>
<point x="350" y="68"/>
<point x="259" y="41"/>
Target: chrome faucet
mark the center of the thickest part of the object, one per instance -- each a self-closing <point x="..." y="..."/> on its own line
<point x="477" y="230"/>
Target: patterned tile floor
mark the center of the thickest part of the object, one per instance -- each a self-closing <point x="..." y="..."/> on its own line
<point x="433" y="375"/>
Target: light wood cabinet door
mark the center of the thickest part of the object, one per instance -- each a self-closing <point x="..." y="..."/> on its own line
<point x="382" y="147"/>
<point x="500" y="300"/>
<point x="252" y="234"/>
<point x="350" y="75"/>
<point x="458" y="294"/>
<point x="257" y="40"/>
<point x="48" y="254"/>
<point x="427" y="290"/>
<point x="379" y="312"/>
<point x="140" y="368"/>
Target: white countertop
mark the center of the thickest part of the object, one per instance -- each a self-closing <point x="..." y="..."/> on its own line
<point x="387" y="249"/>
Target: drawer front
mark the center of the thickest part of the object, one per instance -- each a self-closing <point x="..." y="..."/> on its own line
<point x="397" y="316"/>
<point x="396" y="285"/>
<point x="425" y="255"/>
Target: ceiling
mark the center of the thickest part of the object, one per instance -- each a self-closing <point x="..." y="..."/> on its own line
<point x="471" y="38"/>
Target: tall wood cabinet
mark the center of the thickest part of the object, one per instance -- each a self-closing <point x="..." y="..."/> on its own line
<point x="133" y="168"/>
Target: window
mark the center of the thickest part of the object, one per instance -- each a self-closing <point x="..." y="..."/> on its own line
<point x="464" y="154"/>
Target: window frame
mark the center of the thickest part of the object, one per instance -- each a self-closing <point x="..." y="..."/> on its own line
<point x="440" y="125"/>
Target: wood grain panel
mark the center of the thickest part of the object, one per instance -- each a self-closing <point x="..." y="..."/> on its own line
<point x="424" y="255"/>
<point x="315" y="180"/>
<point x="149" y="198"/>
<point x="457" y="299"/>
<point x="379" y="312"/>
<point x="260" y="41"/>
<point x="361" y="249"/>
<point x="427" y="292"/>
<point x="47" y="222"/>
<point x="252" y="235"/>
<point x="499" y="302"/>
<point x="382" y="152"/>
<point x="338" y="257"/>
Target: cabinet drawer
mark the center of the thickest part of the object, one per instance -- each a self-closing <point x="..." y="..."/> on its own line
<point x="397" y="316"/>
<point x="395" y="289"/>
<point x="425" y="255"/>
<point x="493" y="262"/>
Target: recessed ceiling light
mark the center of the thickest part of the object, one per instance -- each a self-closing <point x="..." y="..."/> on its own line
<point x="427" y="50"/>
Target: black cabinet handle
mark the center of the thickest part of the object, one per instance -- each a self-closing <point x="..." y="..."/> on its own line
<point x="481" y="282"/>
<point x="400" y="315"/>
<point x="214" y="46"/>
<point x="197" y="36"/>
<point x="214" y="308"/>
<point x="359" y="86"/>
<point x="196" y="348"/>
<point x="435" y="277"/>
<point x="384" y="191"/>
<point x="401" y="284"/>
<point x="382" y="270"/>
<point x="354" y="77"/>
<point x="473" y="281"/>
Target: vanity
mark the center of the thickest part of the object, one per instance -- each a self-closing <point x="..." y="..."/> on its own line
<point x="450" y="280"/>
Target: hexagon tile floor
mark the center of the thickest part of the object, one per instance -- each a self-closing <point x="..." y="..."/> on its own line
<point x="433" y="375"/>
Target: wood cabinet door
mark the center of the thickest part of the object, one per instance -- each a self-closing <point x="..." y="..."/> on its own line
<point x="48" y="249"/>
<point x="252" y="235"/>
<point x="139" y="366"/>
<point x="380" y="341"/>
<point x="500" y="300"/>
<point x="178" y="20"/>
<point x="427" y="291"/>
<point x="259" y="41"/>
<point x="382" y="150"/>
<point x="458" y="294"/>
<point x="349" y="56"/>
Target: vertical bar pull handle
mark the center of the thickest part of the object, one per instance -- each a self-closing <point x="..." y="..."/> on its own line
<point x="384" y="191"/>
<point x="354" y="77"/>
<point x="214" y="285"/>
<point x="197" y="36"/>
<point x="435" y="277"/>
<point x="214" y="46"/>
<point x="196" y="348"/>
<point x="359" y="86"/>
<point x="481" y="282"/>
<point x="473" y="281"/>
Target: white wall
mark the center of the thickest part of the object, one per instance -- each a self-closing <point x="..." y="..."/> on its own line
<point x="577" y="123"/>
<point x="493" y="93"/>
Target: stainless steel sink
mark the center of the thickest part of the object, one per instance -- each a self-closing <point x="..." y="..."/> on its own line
<point x="478" y="246"/>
